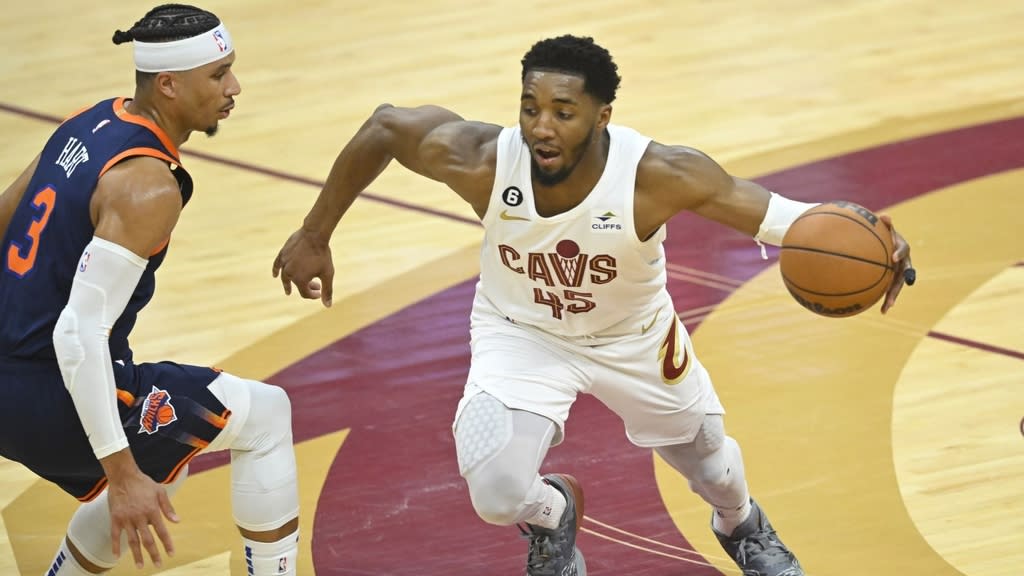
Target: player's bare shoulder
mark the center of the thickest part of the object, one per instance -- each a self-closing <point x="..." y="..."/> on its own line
<point x="465" y="143"/>
<point x="679" y="177"/>
<point x="463" y="154"/>
<point x="141" y="183"/>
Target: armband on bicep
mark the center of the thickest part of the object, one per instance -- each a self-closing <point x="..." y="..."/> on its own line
<point x="104" y="282"/>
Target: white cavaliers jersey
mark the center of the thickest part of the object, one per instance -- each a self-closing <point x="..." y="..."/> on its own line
<point x="580" y="273"/>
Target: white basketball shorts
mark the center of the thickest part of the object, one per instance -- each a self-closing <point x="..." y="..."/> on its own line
<point x="651" y="379"/>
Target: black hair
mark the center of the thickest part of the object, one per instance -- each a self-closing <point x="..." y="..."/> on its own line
<point x="167" y="23"/>
<point x="579" y="56"/>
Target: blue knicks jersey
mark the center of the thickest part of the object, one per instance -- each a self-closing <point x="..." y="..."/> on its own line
<point x="52" y="226"/>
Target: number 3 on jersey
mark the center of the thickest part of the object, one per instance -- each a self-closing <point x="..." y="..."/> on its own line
<point x="21" y="258"/>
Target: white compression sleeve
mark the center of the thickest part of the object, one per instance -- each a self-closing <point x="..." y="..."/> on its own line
<point x="778" y="218"/>
<point x="106" y="278"/>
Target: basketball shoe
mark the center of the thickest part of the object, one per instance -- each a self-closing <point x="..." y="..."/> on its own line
<point x="756" y="548"/>
<point x="554" y="552"/>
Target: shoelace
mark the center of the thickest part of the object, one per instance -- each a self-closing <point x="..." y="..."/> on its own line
<point x="762" y="543"/>
<point x="542" y="553"/>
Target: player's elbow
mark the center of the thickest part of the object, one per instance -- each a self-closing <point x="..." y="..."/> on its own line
<point x="67" y="344"/>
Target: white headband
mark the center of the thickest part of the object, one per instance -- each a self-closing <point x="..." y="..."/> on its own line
<point x="183" y="54"/>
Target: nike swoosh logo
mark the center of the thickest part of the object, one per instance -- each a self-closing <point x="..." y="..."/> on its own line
<point x="506" y="216"/>
<point x="644" y="329"/>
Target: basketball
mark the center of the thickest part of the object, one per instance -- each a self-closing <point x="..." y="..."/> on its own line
<point x="836" y="259"/>
<point x="165" y="415"/>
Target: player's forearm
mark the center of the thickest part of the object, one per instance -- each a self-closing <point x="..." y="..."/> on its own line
<point x="119" y="465"/>
<point x="358" y="164"/>
<point x="104" y="282"/>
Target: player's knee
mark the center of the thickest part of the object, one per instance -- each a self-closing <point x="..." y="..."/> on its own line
<point x="497" y="496"/>
<point x="714" y="476"/>
<point x="261" y="414"/>
<point x="88" y="536"/>
<point x="276" y="409"/>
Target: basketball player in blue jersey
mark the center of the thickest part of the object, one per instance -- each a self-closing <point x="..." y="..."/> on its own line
<point x="572" y="296"/>
<point x="83" y="230"/>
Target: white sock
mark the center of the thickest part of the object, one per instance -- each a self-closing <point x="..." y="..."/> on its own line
<point x="64" y="564"/>
<point x="272" y="558"/>
<point x="550" y="512"/>
<point x="726" y="520"/>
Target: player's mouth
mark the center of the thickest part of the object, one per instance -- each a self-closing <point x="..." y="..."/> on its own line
<point x="546" y="156"/>
<point x="226" y="111"/>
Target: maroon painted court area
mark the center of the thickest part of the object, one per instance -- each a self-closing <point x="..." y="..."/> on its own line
<point x="394" y="503"/>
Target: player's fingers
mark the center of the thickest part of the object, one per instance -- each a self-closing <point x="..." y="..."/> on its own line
<point x="286" y="283"/>
<point x="277" y="265"/>
<point x="327" y="293"/>
<point x="115" y="537"/>
<point x="166" y="508"/>
<point x="901" y="249"/>
<point x="893" y="292"/>
<point x="133" y="544"/>
<point x="306" y="290"/>
<point x="149" y="543"/>
<point x="164" y="536"/>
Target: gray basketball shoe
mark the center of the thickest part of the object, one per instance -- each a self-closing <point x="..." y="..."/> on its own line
<point x="554" y="552"/>
<point x="756" y="548"/>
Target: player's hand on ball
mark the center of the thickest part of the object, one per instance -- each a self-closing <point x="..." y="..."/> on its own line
<point x="306" y="262"/>
<point x="905" y="272"/>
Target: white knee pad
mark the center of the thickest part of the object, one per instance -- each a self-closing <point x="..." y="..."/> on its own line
<point x="264" y="488"/>
<point x="712" y="464"/>
<point x="484" y="429"/>
<point x="500" y="451"/>
<point x="89" y="529"/>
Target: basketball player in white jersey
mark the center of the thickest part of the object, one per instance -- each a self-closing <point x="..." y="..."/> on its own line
<point x="572" y="296"/>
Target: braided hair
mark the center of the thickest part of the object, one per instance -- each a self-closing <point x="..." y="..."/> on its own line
<point x="167" y="23"/>
<point x="579" y="56"/>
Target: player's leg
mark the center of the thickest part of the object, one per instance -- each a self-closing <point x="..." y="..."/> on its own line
<point x="264" y="487"/>
<point x="713" y="466"/>
<point x="39" y="428"/>
<point x="86" y="546"/>
<point x="500" y="451"/>
<point x="517" y="398"/>
<point x="258" y="433"/>
<point x="667" y="402"/>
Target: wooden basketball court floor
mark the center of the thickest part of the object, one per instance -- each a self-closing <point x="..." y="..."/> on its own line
<point x="879" y="445"/>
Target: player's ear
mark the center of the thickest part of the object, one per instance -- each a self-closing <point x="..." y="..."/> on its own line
<point x="604" y="116"/>
<point x="168" y="84"/>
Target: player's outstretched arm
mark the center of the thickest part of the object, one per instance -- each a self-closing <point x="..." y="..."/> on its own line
<point x="134" y="208"/>
<point x="429" y="140"/>
<point x="676" y="178"/>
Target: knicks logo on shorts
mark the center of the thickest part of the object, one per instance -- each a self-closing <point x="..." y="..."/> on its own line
<point x="157" y="411"/>
<point x="675" y="356"/>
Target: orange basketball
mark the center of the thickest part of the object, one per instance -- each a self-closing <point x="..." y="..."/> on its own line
<point x="165" y="414"/>
<point x="836" y="259"/>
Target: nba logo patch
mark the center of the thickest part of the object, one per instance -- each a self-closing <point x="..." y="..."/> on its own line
<point x="157" y="411"/>
<point x="218" y="37"/>
<point x="282" y="565"/>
